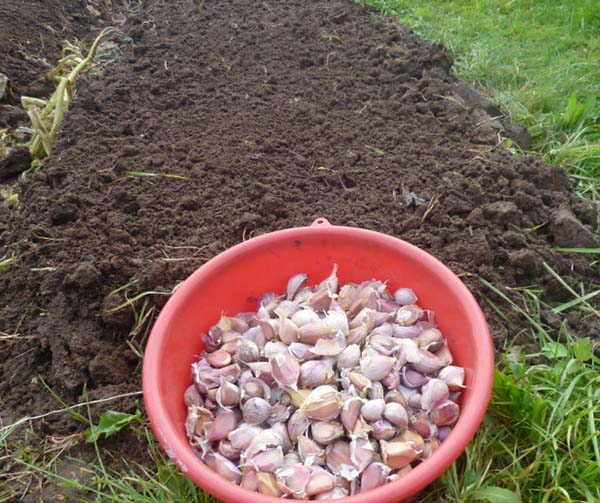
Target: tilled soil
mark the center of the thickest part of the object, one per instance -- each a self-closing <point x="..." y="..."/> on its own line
<point x="269" y="114"/>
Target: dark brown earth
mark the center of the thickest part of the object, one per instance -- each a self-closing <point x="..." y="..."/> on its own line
<point x="274" y="114"/>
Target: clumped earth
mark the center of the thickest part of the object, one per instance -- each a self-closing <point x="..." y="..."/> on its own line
<point x="271" y="115"/>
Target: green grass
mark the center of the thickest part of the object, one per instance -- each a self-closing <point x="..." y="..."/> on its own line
<point x="540" y="59"/>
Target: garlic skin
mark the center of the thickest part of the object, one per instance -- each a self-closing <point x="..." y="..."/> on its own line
<point x="324" y="392"/>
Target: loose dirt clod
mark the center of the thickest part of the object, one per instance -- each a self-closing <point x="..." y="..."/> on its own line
<point x="365" y="135"/>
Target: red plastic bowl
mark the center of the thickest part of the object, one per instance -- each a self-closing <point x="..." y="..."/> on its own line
<point x="235" y="279"/>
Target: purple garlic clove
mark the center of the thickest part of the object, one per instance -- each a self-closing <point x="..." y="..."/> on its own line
<point x="285" y="369"/>
<point x="225" y="422"/>
<point x="321" y="481"/>
<point x="433" y="393"/>
<point x="310" y="452"/>
<point x="242" y="436"/>
<point x="267" y="484"/>
<point x="396" y="414"/>
<point x="350" y="412"/>
<point x="227" y="469"/>
<point x="413" y="379"/>
<point x="349" y="357"/>
<point x="376" y="367"/>
<point x="404" y="296"/>
<point x="323" y="403"/>
<point x="397" y="454"/>
<point x="219" y="359"/>
<point x="375" y="475"/>
<point x="453" y="376"/>
<point x="267" y="461"/>
<point x="256" y="410"/>
<point x="295" y="283"/>
<point x="372" y="410"/>
<point x="445" y="414"/>
<point x="320" y="300"/>
<point x="332" y="346"/>
<point x="325" y="432"/>
<point x="297" y="425"/>
<point x="292" y="480"/>
<point x="383" y="430"/>
<point x="361" y="453"/>
<point x="304" y="317"/>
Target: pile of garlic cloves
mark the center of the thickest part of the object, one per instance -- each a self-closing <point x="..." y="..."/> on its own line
<point x="324" y="392"/>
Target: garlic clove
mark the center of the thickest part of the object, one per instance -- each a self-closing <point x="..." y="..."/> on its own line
<point x="321" y="481"/>
<point x="262" y="371"/>
<point x="358" y="334"/>
<point x="430" y="339"/>
<point x="350" y="411"/>
<point x="454" y="377"/>
<point x="227" y="469"/>
<point x="404" y="296"/>
<point x="427" y="362"/>
<point x="443" y="432"/>
<point x="396" y="414"/>
<point x="196" y="419"/>
<point x="225" y="422"/>
<point x="288" y="331"/>
<point x="397" y="454"/>
<point x="430" y="446"/>
<point x="295" y="283"/>
<point x="228" y="451"/>
<point x="398" y="474"/>
<point x="372" y="409"/>
<point x="376" y="367"/>
<point x="264" y="440"/>
<point x="219" y="359"/>
<point x="242" y="436"/>
<point x="315" y="373"/>
<point x="412" y="378"/>
<point x="410" y="332"/>
<point x="274" y="347"/>
<point x="323" y="403"/>
<point x="312" y="332"/>
<point x="338" y="458"/>
<point x="285" y="369"/>
<point x="292" y="480"/>
<point x="392" y="380"/>
<point x="348" y="294"/>
<point x="330" y="346"/>
<point x="413" y="438"/>
<point x="375" y="475"/>
<point x="446" y="414"/>
<point x="228" y="394"/>
<point x="331" y="282"/>
<point x="445" y="355"/>
<point x="310" y="452"/>
<point x="383" y="430"/>
<point x="338" y="321"/>
<point x="247" y="351"/>
<point x="361" y="453"/>
<point x="249" y="479"/>
<point x="349" y="357"/>
<point x="376" y="391"/>
<point x="304" y="317"/>
<point x="267" y="484"/>
<point x="286" y="309"/>
<point x="395" y="396"/>
<point x="359" y="381"/>
<point x="192" y="397"/>
<point x="382" y="343"/>
<point x="325" y="432"/>
<point x="291" y="459"/>
<point x="267" y="461"/>
<point x="433" y="394"/>
<point x="408" y="315"/>
<point x="302" y="351"/>
<point x="256" y="410"/>
<point x="320" y="300"/>
<point x="419" y="422"/>
<point x="297" y="425"/>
